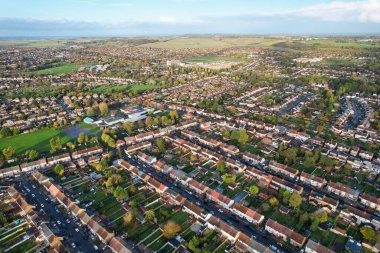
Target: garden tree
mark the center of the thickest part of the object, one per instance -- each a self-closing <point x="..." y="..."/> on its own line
<point x="8" y="152"/>
<point x="104" y="163"/>
<point x="5" y="132"/>
<point x="161" y="145"/>
<point x="94" y="139"/>
<point x="304" y="218"/>
<point x="309" y="162"/>
<point x="193" y="245"/>
<point x="317" y="154"/>
<point x="55" y="124"/>
<point x="265" y="207"/>
<point x="322" y="217"/>
<point x="173" y="115"/>
<point x="156" y="120"/>
<point x="99" y="167"/>
<point x="290" y="155"/>
<point x="171" y="229"/>
<point x="33" y="155"/>
<point x="133" y="203"/>
<point x="273" y="201"/>
<point x="140" y="124"/>
<point x="243" y="136"/>
<point x="221" y="165"/>
<point x="193" y="158"/>
<point x="226" y="133"/>
<point x="254" y="189"/>
<point x="368" y="233"/>
<point x="314" y="224"/>
<point x="81" y="138"/>
<point x="149" y="121"/>
<point x="150" y="215"/>
<point x="90" y="112"/>
<point x="132" y="189"/>
<point x="120" y="193"/>
<point x="320" y="128"/>
<point x="130" y="216"/>
<point x="113" y="180"/>
<point x="70" y="145"/>
<point x="55" y="144"/>
<point x="326" y="161"/>
<point x="3" y="219"/>
<point x="59" y="169"/>
<point x="295" y="200"/>
<point x="103" y="108"/>
<point x="235" y="135"/>
<point x="16" y="131"/>
<point x="229" y="178"/>
<point x="129" y="127"/>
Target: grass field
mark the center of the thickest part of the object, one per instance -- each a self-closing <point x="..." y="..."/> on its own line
<point x="91" y="128"/>
<point x="64" y="69"/>
<point x="333" y="42"/>
<point x="217" y="58"/>
<point x="139" y="88"/>
<point x="38" y="140"/>
<point x="215" y="42"/>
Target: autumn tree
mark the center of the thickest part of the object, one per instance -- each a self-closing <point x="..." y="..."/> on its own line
<point x="120" y="193"/>
<point x="55" y="144"/>
<point x="368" y="233"/>
<point x="103" y="108"/>
<point x="221" y="165"/>
<point x="150" y="215"/>
<point x="171" y="229"/>
<point x="161" y="144"/>
<point x="33" y="155"/>
<point x="229" y="178"/>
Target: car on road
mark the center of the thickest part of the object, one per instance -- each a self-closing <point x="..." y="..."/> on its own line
<point x="42" y="205"/>
<point x="96" y="247"/>
<point x="220" y="211"/>
<point x="67" y="221"/>
<point x="77" y="230"/>
<point x="59" y="222"/>
<point x="198" y="203"/>
<point x="73" y="245"/>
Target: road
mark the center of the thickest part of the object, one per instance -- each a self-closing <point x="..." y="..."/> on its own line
<point x="60" y="222"/>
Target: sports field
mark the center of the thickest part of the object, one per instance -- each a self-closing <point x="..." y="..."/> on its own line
<point x="38" y="140"/>
<point x="64" y="69"/>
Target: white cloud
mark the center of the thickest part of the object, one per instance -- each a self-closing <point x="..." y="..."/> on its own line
<point x="168" y="19"/>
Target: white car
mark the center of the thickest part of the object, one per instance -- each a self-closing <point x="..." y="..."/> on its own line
<point x="73" y="245"/>
<point x="77" y="230"/>
<point x="59" y="222"/>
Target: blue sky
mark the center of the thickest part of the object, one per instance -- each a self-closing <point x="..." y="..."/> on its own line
<point x="175" y="17"/>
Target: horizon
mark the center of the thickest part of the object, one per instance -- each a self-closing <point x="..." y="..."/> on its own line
<point x="131" y="18"/>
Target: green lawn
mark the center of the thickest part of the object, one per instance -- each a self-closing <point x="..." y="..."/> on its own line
<point x="64" y="69"/>
<point x="91" y="128"/>
<point x="211" y="58"/>
<point x="38" y="140"/>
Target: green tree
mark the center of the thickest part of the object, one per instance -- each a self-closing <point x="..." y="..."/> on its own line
<point x="81" y="138"/>
<point x="254" y="189"/>
<point x="243" y="136"/>
<point x="221" y="165"/>
<point x="120" y="193"/>
<point x="368" y="233"/>
<point x="129" y="127"/>
<point x="295" y="200"/>
<point x="8" y="152"/>
<point x="33" y="155"/>
<point x="90" y="112"/>
<point x="55" y="144"/>
<point x="229" y="178"/>
<point x="149" y="121"/>
<point x="5" y="132"/>
<point x="59" y="169"/>
<point x="150" y="215"/>
<point x="235" y="135"/>
<point x="161" y="145"/>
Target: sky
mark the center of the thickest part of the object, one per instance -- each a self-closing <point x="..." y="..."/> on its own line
<point x="83" y="18"/>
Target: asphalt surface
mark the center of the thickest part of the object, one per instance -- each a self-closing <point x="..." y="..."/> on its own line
<point x="59" y="221"/>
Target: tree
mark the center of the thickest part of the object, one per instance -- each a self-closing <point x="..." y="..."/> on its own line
<point x="235" y="135"/>
<point x="120" y="193"/>
<point x="322" y="217"/>
<point x="5" y="132"/>
<point x="243" y="136"/>
<point x="254" y="190"/>
<point x="368" y="233"/>
<point x="225" y="133"/>
<point x="55" y="144"/>
<point x="140" y="124"/>
<point x="229" y="178"/>
<point x="81" y="138"/>
<point x="221" y="165"/>
<point x="149" y="121"/>
<point x="113" y="180"/>
<point x="90" y="112"/>
<point x="130" y="216"/>
<point x="295" y="200"/>
<point x="33" y="155"/>
<point x="309" y="162"/>
<point x="171" y="229"/>
<point x="150" y="215"/>
<point x="103" y="108"/>
<point x="173" y="115"/>
<point x="59" y="169"/>
<point x="265" y="207"/>
<point x="273" y="201"/>
<point x="8" y="152"/>
<point x="161" y="145"/>
<point x="129" y="127"/>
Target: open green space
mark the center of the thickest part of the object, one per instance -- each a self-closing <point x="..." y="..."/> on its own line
<point x="38" y="140"/>
<point x="135" y="88"/>
<point x="64" y="69"/>
<point x="213" y="58"/>
<point x="91" y="128"/>
<point x="342" y="43"/>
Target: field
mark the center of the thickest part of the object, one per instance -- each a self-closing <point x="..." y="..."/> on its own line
<point x="64" y="69"/>
<point x="138" y="88"/>
<point x="216" y="58"/>
<point x="38" y="140"/>
<point x="337" y="43"/>
<point x="215" y="42"/>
